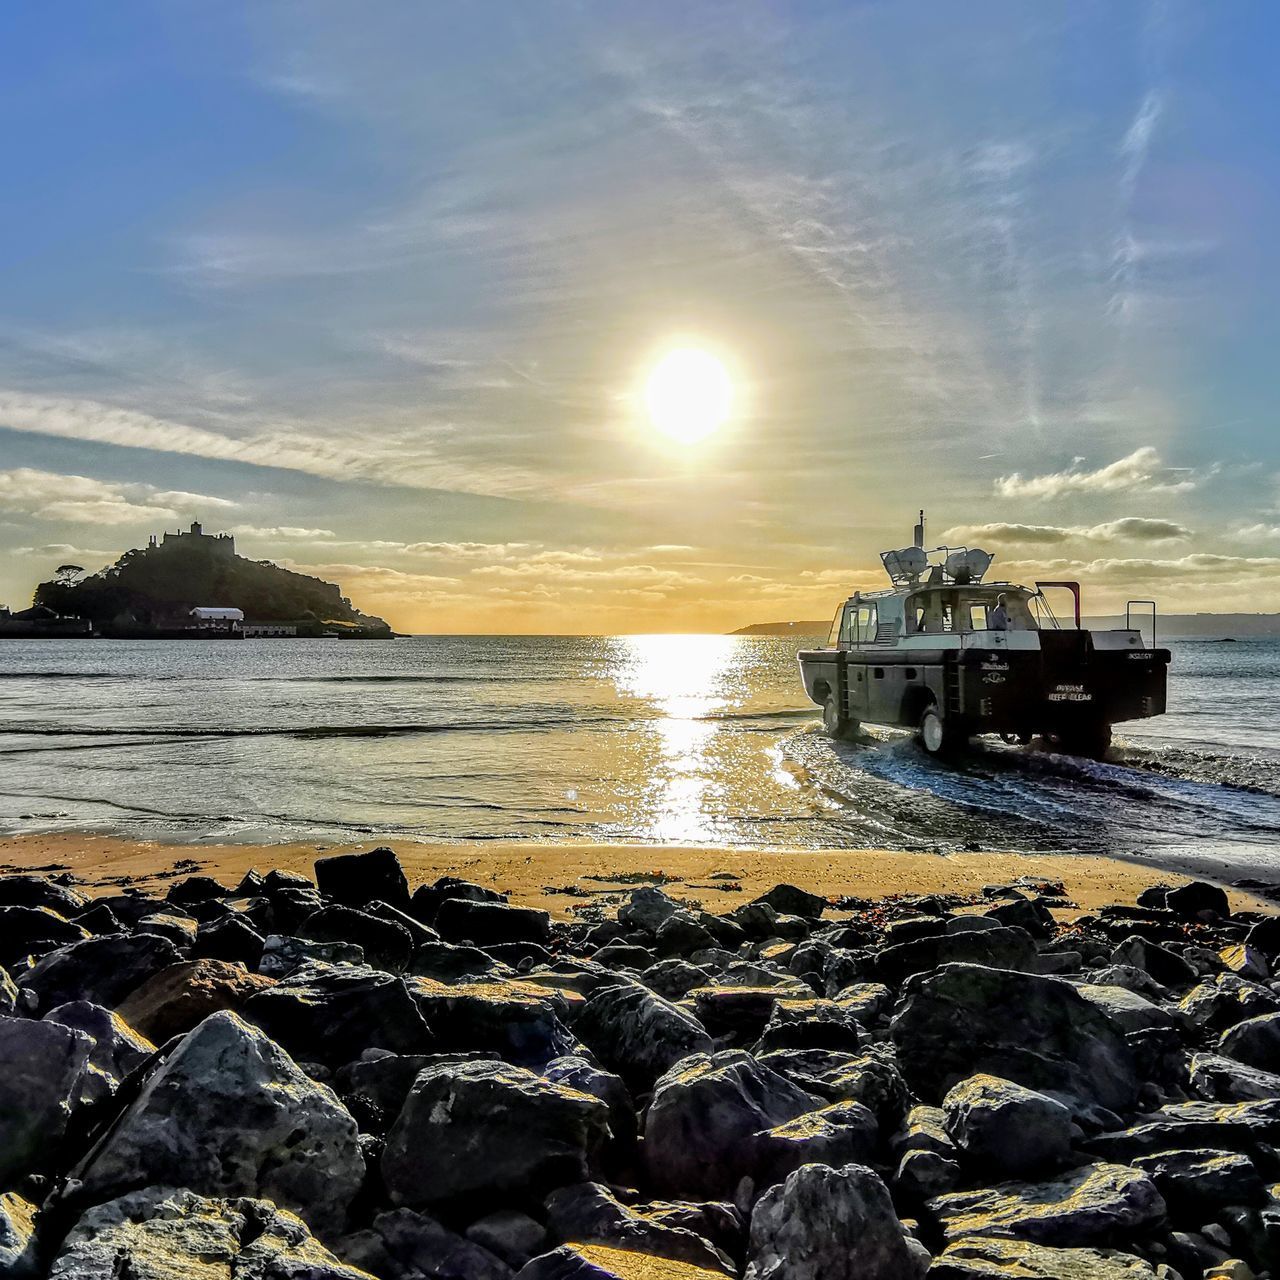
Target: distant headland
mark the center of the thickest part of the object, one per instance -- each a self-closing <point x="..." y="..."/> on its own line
<point x="190" y="585"/>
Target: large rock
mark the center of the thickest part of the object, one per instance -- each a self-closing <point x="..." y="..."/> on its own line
<point x="1005" y="1129"/>
<point x="960" y="1021"/>
<point x="332" y="1013"/>
<point x="787" y="900"/>
<point x="171" y="1002"/>
<point x="19" y="1247"/>
<point x="404" y="1245"/>
<point x="42" y="1069"/>
<point x="1167" y="968"/>
<point x="1226" y="1000"/>
<point x="700" y="1130"/>
<point x="102" y="970"/>
<point x="1218" y="1079"/>
<point x="484" y="923"/>
<point x="1231" y="1126"/>
<point x="35" y="931"/>
<point x="840" y="1134"/>
<point x="1255" y="1042"/>
<point x="603" y="1262"/>
<point x="356" y="879"/>
<point x="871" y="1078"/>
<point x="385" y="943"/>
<point x="230" y="938"/>
<point x="1094" y="1203"/>
<point x="117" y="1048"/>
<point x="523" y="1022"/>
<point x="1018" y="1260"/>
<point x="638" y="1034"/>
<point x="590" y="1213"/>
<point x="165" y="1234"/>
<point x="489" y="1129"/>
<point x="1191" y="900"/>
<point x="1001" y="948"/>
<point x="37" y="891"/>
<point x="229" y="1113"/>
<point x="648" y="908"/>
<point x="1200" y="1183"/>
<point x="283" y="954"/>
<point x="586" y="1077"/>
<point x="1129" y="1010"/>
<point x="828" y="1224"/>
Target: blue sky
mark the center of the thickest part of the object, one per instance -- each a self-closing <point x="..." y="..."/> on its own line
<point x="376" y="287"/>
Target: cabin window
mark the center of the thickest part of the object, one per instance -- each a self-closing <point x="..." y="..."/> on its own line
<point x="977" y="617"/>
<point x="846" y="624"/>
<point x="866" y="623"/>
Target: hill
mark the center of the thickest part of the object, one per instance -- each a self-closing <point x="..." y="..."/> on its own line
<point x="784" y="629"/>
<point x="154" y="588"/>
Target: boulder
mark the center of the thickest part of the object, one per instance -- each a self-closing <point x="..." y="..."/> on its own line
<point x="1094" y="1203"/>
<point x="230" y="1113"/>
<point x="1226" y="1000"/>
<point x="1218" y="1079"/>
<point x="638" y="1034"/>
<point x="1235" y="1126"/>
<point x="513" y="1236"/>
<point x="19" y="1247"/>
<point x="603" y="1262"/>
<point x="35" y="931"/>
<point x="521" y="1021"/>
<point x="1168" y="969"/>
<point x="701" y="1126"/>
<point x="446" y="963"/>
<point x="117" y="1048"/>
<point x="1005" y="1129"/>
<point x="356" y="879"/>
<point x="171" y="1002"/>
<point x="374" y="1088"/>
<point x="165" y="1234"/>
<point x="1265" y="936"/>
<point x="839" y="1134"/>
<point x="787" y="900"/>
<point x="426" y="899"/>
<point x="385" y="944"/>
<point x="180" y="930"/>
<point x="1255" y="1042"/>
<point x="586" y="1077"/>
<point x="231" y="938"/>
<point x="1246" y="961"/>
<point x="282" y="954"/>
<point x="647" y="909"/>
<point x="1017" y="1260"/>
<point x="332" y="1013"/>
<point x="826" y="1224"/>
<point x="193" y="889"/>
<point x="956" y="1022"/>
<point x="867" y="1002"/>
<point x="484" y="923"/>
<point x="42" y="1069"/>
<point x="871" y="1078"/>
<point x="1191" y="900"/>
<point x="404" y="1245"/>
<point x="102" y="970"/>
<point x="38" y="891"/>
<point x="1201" y="1182"/>
<point x="1128" y="1010"/>
<point x="589" y="1213"/>
<point x="479" y="1130"/>
<point x="1002" y="948"/>
<point x="922" y="1175"/>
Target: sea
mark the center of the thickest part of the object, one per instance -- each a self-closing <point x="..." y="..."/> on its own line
<point x="656" y="740"/>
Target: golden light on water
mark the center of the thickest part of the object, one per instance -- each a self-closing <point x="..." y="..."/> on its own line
<point x="688" y="394"/>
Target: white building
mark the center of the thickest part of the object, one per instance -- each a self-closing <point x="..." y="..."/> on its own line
<point x="209" y="618"/>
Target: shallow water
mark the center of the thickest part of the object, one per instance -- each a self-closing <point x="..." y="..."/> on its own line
<point x="691" y="739"/>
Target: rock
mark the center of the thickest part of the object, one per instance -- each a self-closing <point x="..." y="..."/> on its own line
<point x="787" y="900"/>
<point x="171" y="1002"/>
<point x="828" y="1224"/>
<point x="588" y="1213"/>
<point x="35" y="931"/>
<point x="701" y="1126"/>
<point x="871" y="1078"/>
<point x="510" y="1235"/>
<point x="1226" y="1000"/>
<point x="1005" y="1129"/>
<point x="839" y="1134"/>
<point x="673" y="979"/>
<point x="955" y="1023"/>
<point x="9" y="995"/>
<point x="281" y="954"/>
<point x="602" y="1262"/>
<point x="489" y="1129"/>
<point x="163" y="1234"/>
<point x="37" y="891"/>
<point x="1096" y="1202"/>
<point x="743" y="1012"/>
<point x="19" y="1251"/>
<point x="180" y="930"/>
<point x="1219" y="1079"/>
<point x="1168" y="969"/>
<point x="638" y="1034"/>
<point x="1230" y="1126"/>
<point x="868" y="1002"/>
<point x="193" y="889"/>
<point x="117" y="1048"/>
<point x="1255" y="1042"/>
<point x="385" y="944"/>
<point x="1128" y="1010"/>
<point x="1246" y="961"/>
<point x="1199" y="1183"/>
<point x="446" y="963"/>
<point x="925" y="1129"/>
<point x="922" y="1175"/>
<point x="374" y="1089"/>
<point x="102" y="970"/>
<point x="404" y="1245"/>
<point x="1018" y="1260"/>
<point x="357" y="879"/>
<point x="682" y="934"/>
<point x="810" y="1024"/>
<point x="331" y="1013"/>
<point x="647" y="908"/>
<point x="42" y="1066"/>
<point x="1023" y="913"/>
<point x="584" y="1076"/>
<point x="521" y="1021"/>
<point x="426" y="899"/>
<point x="1265" y="936"/>
<point x="230" y="1113"/>
<point x="419" y="932"/>
<point x="483" y="923"/>
<point x="1002" y="948"/>
<point x="231" y="938"/>
<point x="1190" y="900"/>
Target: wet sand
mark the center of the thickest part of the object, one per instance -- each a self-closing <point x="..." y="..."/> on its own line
<point x="559" y="877"/>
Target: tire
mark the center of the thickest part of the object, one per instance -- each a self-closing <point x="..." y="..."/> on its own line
<point x="834" y="721"/>
<point x="936" y="736"/>
<point x="1089" y="742"/>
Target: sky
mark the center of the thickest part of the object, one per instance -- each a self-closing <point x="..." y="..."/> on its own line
<point x="378" y="287"/>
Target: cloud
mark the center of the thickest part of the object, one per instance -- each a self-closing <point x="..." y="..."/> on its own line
<point x="282" y="533"/>
<point x="63" y="551"/>
<point x="73" y="499"/>
<point x="1141" y="471"/>
<point x="1256" y="533"/>
<point x="1128" y="529"/>
<point x="1136" y="143"/>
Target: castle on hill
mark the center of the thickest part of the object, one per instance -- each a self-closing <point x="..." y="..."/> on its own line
<point x="221" y="544"/>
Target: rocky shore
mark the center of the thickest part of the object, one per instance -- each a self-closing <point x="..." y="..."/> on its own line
<point x="340" y="1075"/>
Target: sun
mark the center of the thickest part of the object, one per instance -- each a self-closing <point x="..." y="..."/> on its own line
<point x="689" y="394"/>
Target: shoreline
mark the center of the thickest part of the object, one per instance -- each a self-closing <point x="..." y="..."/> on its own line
<point x="561" y="876"/>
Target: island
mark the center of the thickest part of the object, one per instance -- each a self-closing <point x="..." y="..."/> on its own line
<point x="193" y="585"/>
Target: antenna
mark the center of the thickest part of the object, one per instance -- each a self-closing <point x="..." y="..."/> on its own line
<point x="920" y="530"/>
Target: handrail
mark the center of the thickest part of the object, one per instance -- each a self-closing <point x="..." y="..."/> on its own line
<point x="1128" y="608"/>
<point x="1073" y="587"/>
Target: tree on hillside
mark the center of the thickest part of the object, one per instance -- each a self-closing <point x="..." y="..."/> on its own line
<point x="66" y="574"/>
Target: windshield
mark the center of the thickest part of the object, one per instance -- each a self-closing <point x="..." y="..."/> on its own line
<point x="956" y="609"/>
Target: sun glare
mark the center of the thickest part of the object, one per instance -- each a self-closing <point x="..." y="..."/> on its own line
<point x="688" y="394"/>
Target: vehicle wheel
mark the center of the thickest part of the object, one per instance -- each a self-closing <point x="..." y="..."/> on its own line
<point x="1087" y="741"/>
<point x="935" y="735"/>
<point x="834" y="721"/>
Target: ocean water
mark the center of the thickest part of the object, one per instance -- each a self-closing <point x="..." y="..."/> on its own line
<point x="652" y="739"/>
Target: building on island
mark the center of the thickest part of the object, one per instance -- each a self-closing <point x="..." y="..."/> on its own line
<point x="222" y="544"/>
<point x="216" y="620"/>
<point x="258" y="629"/>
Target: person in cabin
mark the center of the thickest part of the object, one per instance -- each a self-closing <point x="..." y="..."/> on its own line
<point x="999" y="620"/>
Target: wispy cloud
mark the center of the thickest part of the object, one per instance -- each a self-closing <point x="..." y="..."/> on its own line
<point x="1142" y="471"/>
<point x="1128" y="529"/>
<point x="74" y="499"/>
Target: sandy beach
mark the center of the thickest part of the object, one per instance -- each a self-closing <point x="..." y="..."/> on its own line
<point x="558" y="877"/>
